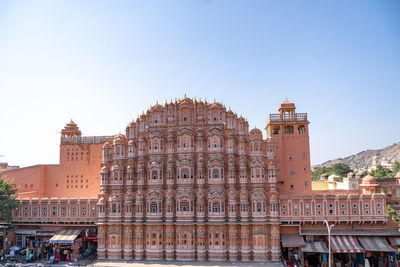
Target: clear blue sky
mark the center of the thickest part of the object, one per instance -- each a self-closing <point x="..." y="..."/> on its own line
<point x="103" y="62"/>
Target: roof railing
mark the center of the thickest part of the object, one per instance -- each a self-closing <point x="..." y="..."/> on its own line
<point x="86" y="140"/>
<point x="285" y="117"/>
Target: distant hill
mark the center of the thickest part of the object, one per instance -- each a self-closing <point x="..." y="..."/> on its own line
<point x="364" y="158"/>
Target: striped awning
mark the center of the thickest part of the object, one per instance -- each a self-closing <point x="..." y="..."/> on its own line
<point x="318" y="247"/>
<point x="345" y="244"/>
<point x="292" y="241"/>
<point x="65" y="236"/>
<point x="394" y="240"/>
<point x="375" y="243"/>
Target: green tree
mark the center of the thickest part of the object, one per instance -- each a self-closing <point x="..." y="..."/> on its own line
<point x="316" y="174"/>
<point x="393" y="214"/>
<point x="396" y="167"/>
<point x="382" y="172"/>
<point x="341" y="169"/>
<point x="7" y="199"/>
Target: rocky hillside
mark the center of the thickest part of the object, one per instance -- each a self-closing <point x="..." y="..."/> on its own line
<point x="364" y="158"/>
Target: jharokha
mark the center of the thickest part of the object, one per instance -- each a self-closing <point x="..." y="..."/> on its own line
<point x="189" y="181"/>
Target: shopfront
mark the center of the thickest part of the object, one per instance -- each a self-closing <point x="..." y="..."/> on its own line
<point x="395" y="243"/>
<point x="65" y="245"/>
<point x="378" y="252"/>
<point x="29" y="237"/>
<point x="291" y="249"/>
<point x="315" y="254"/>
<point x="347" y="249"/>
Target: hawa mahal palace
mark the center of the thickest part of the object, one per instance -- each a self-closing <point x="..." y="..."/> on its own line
<point x="189" y="181"/>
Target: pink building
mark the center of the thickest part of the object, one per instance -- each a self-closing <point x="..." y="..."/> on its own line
<point x="189" y="181"/>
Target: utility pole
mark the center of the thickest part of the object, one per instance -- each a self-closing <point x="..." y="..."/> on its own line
<point x="329" y="227"/>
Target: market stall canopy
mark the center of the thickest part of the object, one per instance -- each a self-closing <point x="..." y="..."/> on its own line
<point x="394" y="240"/>
<point x="345" y="244"/>
<point x="25" y="232"/>
<point x="292" y="241"/>
<point x="315" y="247"/>
<point x="65" y="236"/>
<point x="375" y="243"/>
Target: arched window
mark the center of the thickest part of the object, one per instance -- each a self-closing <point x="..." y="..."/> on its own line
<point x="154" y="174"/>
<point x="301" y="129"/>
<point x="217" y="239"/>
<point x="216" y="207"/>
<point x="259" y="207"/>
<point x="288" y="129"/>
<point x="215" y="173"/>
<point x="184" y="205"/>
<point x="153" y="207"/>
<point x="185" y="173"/>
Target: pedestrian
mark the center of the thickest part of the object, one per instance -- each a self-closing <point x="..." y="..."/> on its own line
<point x="58" y="254"/>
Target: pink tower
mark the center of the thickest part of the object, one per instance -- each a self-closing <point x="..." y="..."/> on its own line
<point x="289" y="132"/>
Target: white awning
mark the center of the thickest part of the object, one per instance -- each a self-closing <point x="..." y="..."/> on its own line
<point x="318" y="247"/>
<point x="375" y="243"/>
<point x="292" y="241"/>
<point x="65" y="236"/>
<point x="25" y="231"/>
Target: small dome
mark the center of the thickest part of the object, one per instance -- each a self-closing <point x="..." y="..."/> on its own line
<point x="115" y="167"/>
<point x="104" y="170"/>
<point x="397" y="175"/>
<point x="106" y="145"/>
<point x="350" y="175"/>
<point x="186" y="101"/>
<point x="256" y="133"/>
<point x="287" y="105"/>
<point x="215" y="105"/>
<point x="369" y="180"/>
<point x="156" y="107"/>
<point x="71" y="128"/>
<point x="102" y="201"/>
<point x="119" y="139"/>
<point x="131" y="142"/>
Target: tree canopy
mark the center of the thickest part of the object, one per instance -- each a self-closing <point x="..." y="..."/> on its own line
<point x="382" y="172"/>
<point x="393" y="214"/>
<point x="340" y="169"/>
<point x="7" y="199"/>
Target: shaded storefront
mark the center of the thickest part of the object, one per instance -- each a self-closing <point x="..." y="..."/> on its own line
<point x="378" y="252"/>
<point x="26" y="237"/>
<point x="347" y="249"/>
<point x="291" y="249"/>
<point x="65" y="244"/>
<point x="315" y="253"/>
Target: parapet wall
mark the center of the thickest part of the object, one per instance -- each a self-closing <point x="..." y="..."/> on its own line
<point x="56" y="210"/>
<point x="350" y="207"/>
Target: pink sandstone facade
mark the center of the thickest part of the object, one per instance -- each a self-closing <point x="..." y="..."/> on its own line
<point x="189" y="181"/>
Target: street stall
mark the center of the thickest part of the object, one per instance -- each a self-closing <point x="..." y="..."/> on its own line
<point x="395" y="243"/>
<point x="346" y="249"/>
<point x="315" y="253"/>
<point x="291" y="245"/>
<point x="65" y="245"/>
<point x="378" y="250"/>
